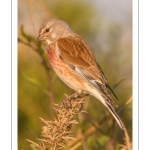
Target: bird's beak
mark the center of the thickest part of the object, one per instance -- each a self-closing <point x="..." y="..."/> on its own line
<point x="40" y="38"/>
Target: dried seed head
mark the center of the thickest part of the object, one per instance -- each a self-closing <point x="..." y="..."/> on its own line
<point x="56" y="133"/>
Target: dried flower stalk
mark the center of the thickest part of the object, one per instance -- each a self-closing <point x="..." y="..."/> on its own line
<point x="127" y="144"/>
<point x="57" y="133"/>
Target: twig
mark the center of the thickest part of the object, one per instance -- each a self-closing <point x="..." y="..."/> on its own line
<point x="40" y="51"/>
<point x="127" y="145"/>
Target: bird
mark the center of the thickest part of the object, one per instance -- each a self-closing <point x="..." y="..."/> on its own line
<point x="75" y="64"/>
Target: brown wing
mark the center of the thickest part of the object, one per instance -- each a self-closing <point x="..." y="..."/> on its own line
<point x="75" y="52"/>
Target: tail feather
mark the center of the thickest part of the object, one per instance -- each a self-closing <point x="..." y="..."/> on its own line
<point x="108" y="102"/>
<point x="112" y="110"/>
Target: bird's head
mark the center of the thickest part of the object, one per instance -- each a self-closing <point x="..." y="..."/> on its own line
<point x="52" y="30"/>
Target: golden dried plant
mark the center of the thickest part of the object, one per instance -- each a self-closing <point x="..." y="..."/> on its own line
<point x="57" y="133"/>
<point x="127" y="144"/>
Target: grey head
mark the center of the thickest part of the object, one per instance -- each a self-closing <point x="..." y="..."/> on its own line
<point x="52" y="30"/>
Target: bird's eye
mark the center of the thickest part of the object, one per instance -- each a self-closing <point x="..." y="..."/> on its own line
<point x="47" y="30"/>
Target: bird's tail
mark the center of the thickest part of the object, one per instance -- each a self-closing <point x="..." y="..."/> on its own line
<point x="112" y="110"/>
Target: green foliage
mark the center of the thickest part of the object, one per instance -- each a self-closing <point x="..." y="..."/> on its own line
<point x="31" y="80"/>
<point x="33" y="147"/>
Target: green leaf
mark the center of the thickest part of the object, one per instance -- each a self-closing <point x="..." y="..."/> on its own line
<point x="118" y="82"/>
<point x="31" y="80"/>
<point x="34" y="147"/>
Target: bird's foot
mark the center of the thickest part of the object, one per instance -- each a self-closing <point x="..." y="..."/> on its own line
<point x="69" y="101"/>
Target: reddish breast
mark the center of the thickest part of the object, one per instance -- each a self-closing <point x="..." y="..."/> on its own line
<point x="52" y="55"/>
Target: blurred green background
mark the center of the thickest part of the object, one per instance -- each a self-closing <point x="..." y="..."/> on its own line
<point x="106" y="25"/>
